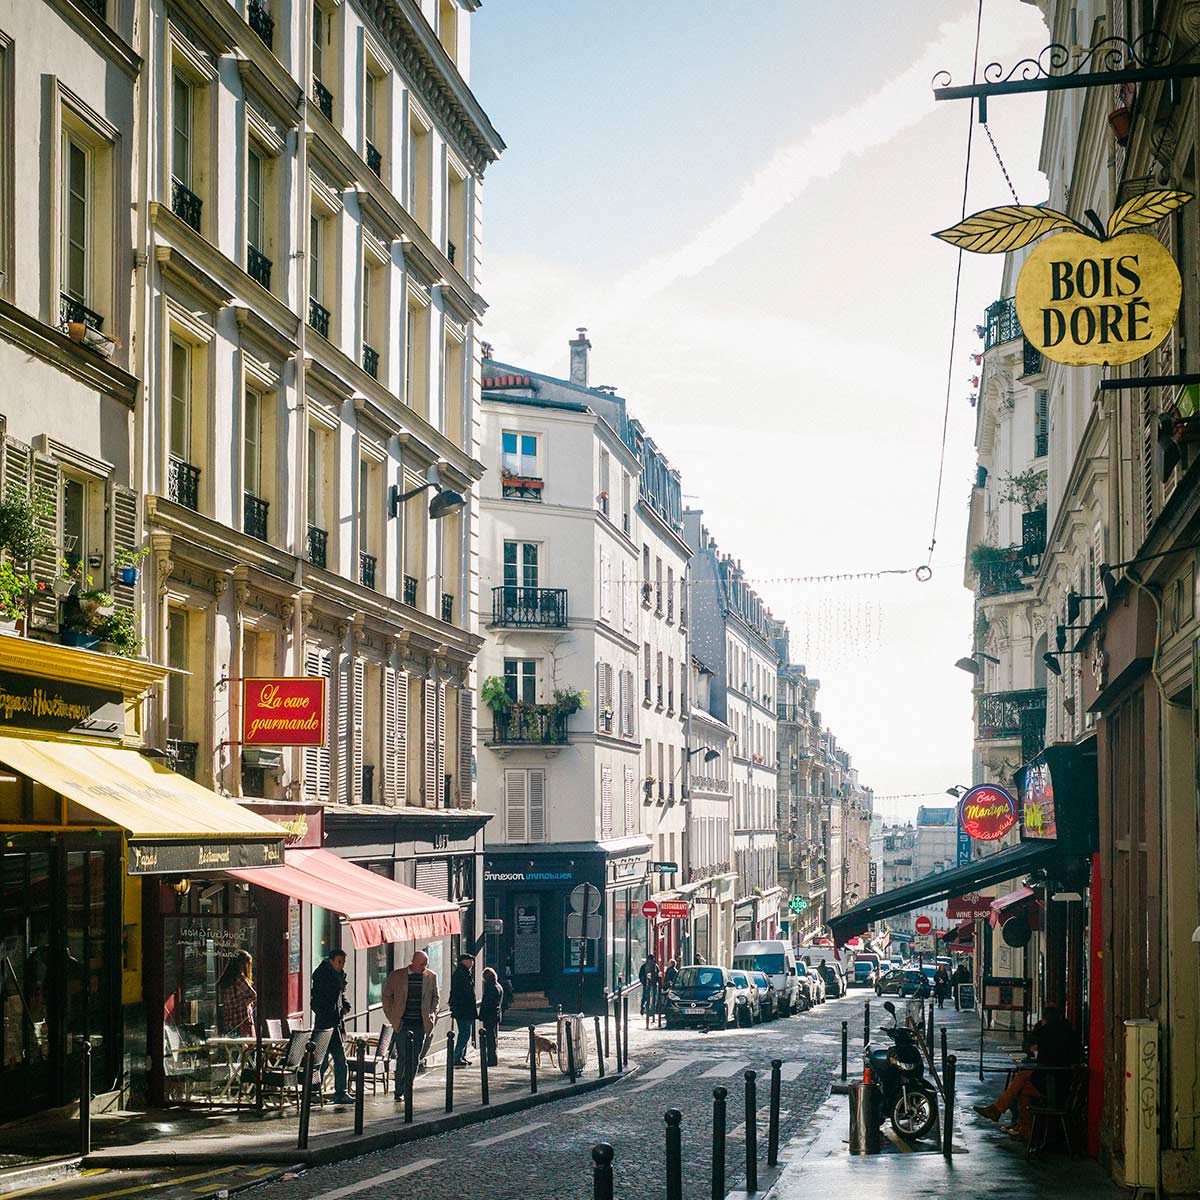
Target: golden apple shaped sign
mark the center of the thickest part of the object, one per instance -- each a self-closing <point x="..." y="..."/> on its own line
<point x="1086" y="298"/>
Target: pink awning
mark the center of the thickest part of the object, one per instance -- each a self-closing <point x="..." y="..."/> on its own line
<point x="377" y="909"/>
<point x="1010" y="900"/>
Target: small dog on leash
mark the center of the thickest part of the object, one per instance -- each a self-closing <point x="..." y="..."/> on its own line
<point x="544" y="1046"/>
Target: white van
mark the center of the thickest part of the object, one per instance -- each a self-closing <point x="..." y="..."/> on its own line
<point x="776" y="960"/>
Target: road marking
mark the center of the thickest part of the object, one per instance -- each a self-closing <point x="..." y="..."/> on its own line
<point x="129" y="1191"/>
<point x="588" y="1107"/>
<point x="354" y="1188"/>
<point x="504" y="1137"/>
<point x="725" y="1069"/>
<point x="791" y="1070"/>
<point x="668" y="1068"/>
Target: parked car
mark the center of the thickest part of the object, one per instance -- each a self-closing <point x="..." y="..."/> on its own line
<point x="819" y="989"/>
<point x="808" y="987"/>
<point x="768" y="997"/>
<point x="775" y="959"/>
<point x="835" y="981"/>
<point x="907" y="981"/>
<point x="702" y="996"/>
<point x="865" y="973"/>
<point x="746" y="1007"/>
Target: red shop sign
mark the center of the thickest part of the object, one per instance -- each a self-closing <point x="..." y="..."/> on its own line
<point x="987" y="812"/>
<point x="673" y="910"/>
<point x="923" y="925"/>
<point x="283" y="712"/>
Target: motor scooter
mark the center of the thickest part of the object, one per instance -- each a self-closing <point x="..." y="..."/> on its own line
<point x="907" y="1098"/>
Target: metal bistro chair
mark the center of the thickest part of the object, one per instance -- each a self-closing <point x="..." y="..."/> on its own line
<point x="286" y="1076"/>
<point x="274" y="1027"/>
<point x="1066" y="1095"/>
<point x="378" y="1067"/>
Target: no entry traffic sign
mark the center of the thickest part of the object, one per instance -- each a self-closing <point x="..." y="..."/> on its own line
<point x="923" y="925"/>
<point x="649" y="908"/>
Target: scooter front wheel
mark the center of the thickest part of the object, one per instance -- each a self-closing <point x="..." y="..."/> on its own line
<point x="913" y="1114"/>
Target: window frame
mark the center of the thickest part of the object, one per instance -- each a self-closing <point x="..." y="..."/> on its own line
<point x="524" y="678"/>
<point x="72" y="142"/>
<point x="520" y="458"/>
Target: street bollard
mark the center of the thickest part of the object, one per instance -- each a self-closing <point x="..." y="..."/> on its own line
<point x="929" y="1036"/>
<point x="258" y="1069"/>
<point x="602" y="1172"/>
<point x="85" y="1097"/>
<point x="773" y="1119"/>
<point x="948" y="1114"/>
<point x="606" y="1047"/>
<point x="532" y="1059"/>
<point x="625" y="1027"/>
<point x="485" y="1048"/>
<point x="410" y="1061"/>
<point x="360" y="1093"/>
<point x="616" y="1030"/>
<point x="673" y="1117"/>
<point x="866" y="1021"/>
<point x="306" y="1096"/>
<point x="718" y="1144"/>
<point x="450" y="1072"/>
<point x="845" y="1043"/>
<point x="599" y="1052"/>
<point x="751" y="1135"/>
<point x="943" y="1050"/>
<point x="570" y="1054"/>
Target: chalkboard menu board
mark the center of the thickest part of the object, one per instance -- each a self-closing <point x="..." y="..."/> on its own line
<point x="966" y="996"/>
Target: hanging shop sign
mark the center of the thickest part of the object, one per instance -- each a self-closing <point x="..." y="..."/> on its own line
<point x="1084" y="297"/>
<point x="673" y="910"/>
<point x="180" y="857"/>
<point x="1037" y="802"/>
<point x="283" y="712"/>
<point x="987" y="812"/>
<point x="971" y="907"/>
<point x="302" y="824"/>
<point x="29" y="703"/>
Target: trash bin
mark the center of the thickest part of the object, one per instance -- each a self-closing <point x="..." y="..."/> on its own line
<point x="864" y="1118"/>
<point x="572" y="1026"/>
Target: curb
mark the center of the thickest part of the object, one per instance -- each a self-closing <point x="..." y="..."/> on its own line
<point x="40" y="1172"/>
<point x="353" y="1147"/>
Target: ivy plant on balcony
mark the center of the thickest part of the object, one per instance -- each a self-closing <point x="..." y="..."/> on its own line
<point x="1027" y="489"/>
<point x="495" y="695"/>
<point x="983" y="555"/>
<point x="571" y="700"/>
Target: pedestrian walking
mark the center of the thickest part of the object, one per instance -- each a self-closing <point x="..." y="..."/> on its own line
<point x="463" y="1007"/>
<point x="329" y="1008"/>
<point x="410" y="1003"/>
<point x="491" y="1009"/>
<point x="961" y="975"/>
<point x="649" y="976"/>
<point x="670" y="974"/>
<point x="941" y="986"/>
<point x="236" y="996"/>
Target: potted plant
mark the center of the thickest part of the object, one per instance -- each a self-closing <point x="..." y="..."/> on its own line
<point x="570" y="700"/>
<point x="1027" y="489"/>
<point x="24" y="538"/>
<point x="13" y="589"/>
<point x="126" y="564"/>
<point x="495" y="695"/>
<point x="117" y="633"/>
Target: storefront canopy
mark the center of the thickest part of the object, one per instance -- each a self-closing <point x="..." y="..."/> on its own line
<point x="995" y="868"/>
<point x="378" y="909"/>
<point x="1006" y="903"/>
<point x="173" y="824"/>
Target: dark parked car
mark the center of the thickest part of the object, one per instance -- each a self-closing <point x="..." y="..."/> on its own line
<point x="906" y="982"/>
<point x="835" y="981"/>
<point x="701" y="996"/>
<point x="768" y="997"/>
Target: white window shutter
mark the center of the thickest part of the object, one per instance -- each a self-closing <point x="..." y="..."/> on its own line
<point x="317" y="760"/>
<point x="516" y="823"/>
<point x="429" y="725"/>
<point x="17" y="460"/>
<point x="466" y="746"/>
<point x="400" y="743"/>
<point x="606" y="809"/>
<point x="440" y="771"/>
<point x="359" y="719"/>
<point x="47" y="491"/>
<point x="631" y="805"/>
<point x="123" y="514"/>
<point x="537" y="806"/>
<point x="344" y="725"/>
<point x="389" y="736"/>
<point x="605" y="589"/>
<point x="623" y="701"/>
<point x="627" y="605"/>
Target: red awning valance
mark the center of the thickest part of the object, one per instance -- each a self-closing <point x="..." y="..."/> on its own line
<point x="377" y="909"/>
<point x="1006" y="903"/>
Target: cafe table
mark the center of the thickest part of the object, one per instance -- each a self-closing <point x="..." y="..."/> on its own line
<point x="236" y="1049"/>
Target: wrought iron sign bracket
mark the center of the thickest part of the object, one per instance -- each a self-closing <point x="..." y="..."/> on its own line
<point x="1148" y="381"/>
<point x="1113" y="60"/>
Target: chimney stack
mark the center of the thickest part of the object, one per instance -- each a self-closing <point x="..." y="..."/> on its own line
<point x="579" y="357"/>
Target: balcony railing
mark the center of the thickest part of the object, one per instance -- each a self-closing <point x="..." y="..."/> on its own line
<point x="530" y="607"/>
<point x="183" y="484"/>
<point x="318" y="546"/>
<point x="1008" y="714"/>
<point x="258" y="266"/>
<point x="451" y="251"/>
<point x="261" y="21"/>
<point x="447" y="608"/>
<point x="1033" y="534"/>
<point x="185" y="204"/>
<point x="366" y="570"/>
<point x="1041" y="443"/>
<point x="528" y="725"/>
<point x="708" y="783"/>
<point x="707" y="871"/>
<point x="374" y="159"/>
<point x="99" y="7"/>
<point x="1004" y="575"/>
<point x="410" y="591"/>
<point x="324" y="98"/>
<point x="254" y="516"/>
<point x="71" y="311"/>
<point x="318" y="317"/>
<point x="181" y="757"/>
<point x="1001" y="323"/>
<point x="520" y="487"/>
<point x="1031" y="361"/>
<point x="370" y="361"/>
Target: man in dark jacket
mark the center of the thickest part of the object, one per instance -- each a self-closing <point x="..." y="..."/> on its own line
<point x="329" y="1007"/>
<point x="649" y="976"/>
<point x="669" y="975"/>
<point x="463" y="1008"/>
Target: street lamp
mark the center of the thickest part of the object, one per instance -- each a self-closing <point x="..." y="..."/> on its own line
<point x="959" y="789"/>
<point x="970" y="663"/>
<point x="444" y="502"/>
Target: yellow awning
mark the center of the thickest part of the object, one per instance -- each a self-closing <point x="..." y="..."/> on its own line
<point x="156" y="807"/>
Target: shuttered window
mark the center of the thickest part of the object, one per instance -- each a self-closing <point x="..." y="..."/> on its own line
<point x="525" y="805"/>
<point x="604" y="697"/>
<point x="628" y="608"/>
<point x="439" y="798"/>
<point x="318" y="663"/>
<point x="606" y="808"/>
<point x="122" y="538"/>
<point x="429" y="757"/>
<point x="47" y="491"/>
<point x="466" y="747"/>
<point x="395" y="724"/>
<point x="17" y="460"/>
<point x="605" y="586"/>
<point x="631" y="804"/>
<point x="433" y="878"/>
<point x="357" y="718"/>
<point x="345" y="753"/>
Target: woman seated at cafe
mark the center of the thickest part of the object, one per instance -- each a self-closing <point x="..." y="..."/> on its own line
<point x="236" y="997"/>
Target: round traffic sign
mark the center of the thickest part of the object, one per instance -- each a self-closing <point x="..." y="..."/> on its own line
<point x="586" y="894"/>
<point x="649" y="908"/>
<point x="923" y="925"/>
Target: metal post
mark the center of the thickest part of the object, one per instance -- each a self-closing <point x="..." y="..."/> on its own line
<point x="532" y="1060"/>
<point x="410" y="1061"/>
<point x="929" y="1039"/>
<point x="773" y="1119"/>
<point x="718" y="1144"/>
<point x="600" y="1048"/>
<point x="751" y="1134"/>
<point x="943" y="1050"/>
<point x="616" y="1029"/>
<point x="845" y="1042"/>
<point x="306" y="1096"/>
<point x="450" y="1072"/>
<point x="674" y="1155"/>
<point x="85" y="1098"/>
<point x="570" y="1052"/>
<point x="485" y="1048"/>
<point x="602" y="1172"/>
<point x="258" y="1068"/>
<point x="625" y="1023"/>
<point x="606" y="1047"/>
<point x="866" y="1021"/>
<point x="948" y="1114"/>
<point x="360" y="1094"/>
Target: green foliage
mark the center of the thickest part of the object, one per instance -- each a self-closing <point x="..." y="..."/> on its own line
<point x="119" y="631"/>
<point x="130" y="558"/>
<point x="23" y="526"/>
<point x="495" y="695"/>
<point x="1028" y="489"/>
<point x="569" y="700"/>
<point x="983" y="554"/>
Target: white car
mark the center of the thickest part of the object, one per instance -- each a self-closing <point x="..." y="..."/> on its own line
<point x="746" y="1007"/>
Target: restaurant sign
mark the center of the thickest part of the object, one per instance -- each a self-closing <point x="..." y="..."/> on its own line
<point x="971" y="907"/>
<point x="30" y="703"/>
<point x="283" y="712"/>
<point x="987" y="812"/>
<point x="183" y="857"/>
<point x="1038" y="820"/>
<point x="301" y="823"/>
<point x="1084" y="296"/>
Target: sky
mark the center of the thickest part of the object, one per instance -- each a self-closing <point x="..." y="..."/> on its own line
<point x="737" y="202"/>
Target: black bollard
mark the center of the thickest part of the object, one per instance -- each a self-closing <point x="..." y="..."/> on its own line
<point x="485" y="1048"/>
<point x="773" y="1119"/>
<point x="600" y="1051"/>
<point x="751" y="1134"/>
<point x="943" y="1050"/>
<point x="929" y="1035"/>
<point x="602" y="1172"/>
<point x="360" y="1094"/>
<point x="948" y="1114"/>
<point x="570" y="1053"/>
<point x="606" y="1047"/>
<point x="450" y="1072"/>
<point x="866" y="1021"/>
<point x="673" y="1117"/>
<point x="410" y="1061"/>
<point x="258" y="1068"/>
<point x="845" y="1044"/>
<point x="718" y="1144"/>
<point x="306" y="1096"/>
<point x="625" y="1024"/>
<point x="85" y="1098"/>
<point x="532" y="1060"/>
<point x="616" y="1030"/>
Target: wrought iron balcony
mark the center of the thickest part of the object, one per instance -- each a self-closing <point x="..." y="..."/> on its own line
<point x="366" y="570"/>
<point x="447" y="608"/>
<point x="318" y="317"/>
<point x="1033" y="534"/>
<point x="530" y="607"/>
<point x="374" y="159"/>
<point x="185" y="204"/>
<point x="72" y="311"/>
<point x="451" y="251"/>
<point x="183" y="484"/>
<point x="99" y="7"/>
<point x="324" y="98"/>
<point x="520" y="487"/>
<point x="181" y="757"/>
<point x="1009" y="714"/>
<point x="1004" y="575"/>
<point x="1031" y="362"/>
<point x="370" y="361"/>
<point x="1001" y="323"/>
<point x="318" y="546"/>
<point x="1041" y="443"/>
<point x="410" y="591"/>
<point x="254" y="516"/>
<point x="529" y="725"/>
<point x="261" y="21"/>
<point x="258" y="266"/>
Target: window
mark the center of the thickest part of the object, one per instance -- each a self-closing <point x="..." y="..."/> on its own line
<point x="177" y="657"/>
<point x="370" y="88"/>
<point x="646" y="669"/>
<point x="452" y="388"/>
<point x="77" y="230"/>
<point x="520" y="679"/>
<point x="658" y="679"/>
<point x="316" y="478"/>
<point x="520" y="566"/>
<point x="602" y="497"/>
<point x="252" y="444"/>
<point x="314" y="258"/>
<point x="670" y="685"/>
<point x="448" y="28"/>
<point x="182" y="131"/>
<point x="82" y="509"/>
<point x="420" y="181"/>
<point x="180" y="433"/>
<point x="456" y="218"/>
<point x="416" y="365"/>
<point x="525" y="805"/>
<point x="520" y="454"/>
<point x="670" y="593"/>
<point x="370" y="356"/>
<point x="254" y="198"/>
<point x="318" y="22"/>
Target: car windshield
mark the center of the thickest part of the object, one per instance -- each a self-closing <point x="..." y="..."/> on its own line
<point x="761" y="979"/>
<point x="699" y="977"/>
<point x="801" y="969"/>
<point x="739" y="978"/>
<point x="771" y="964"/>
